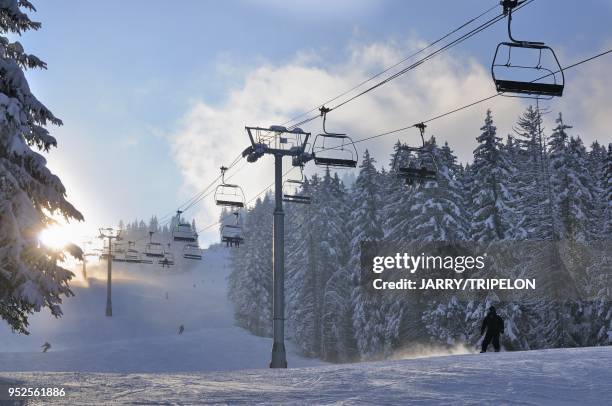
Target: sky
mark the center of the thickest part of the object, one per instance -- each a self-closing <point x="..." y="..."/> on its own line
<point x="154" y="95"/>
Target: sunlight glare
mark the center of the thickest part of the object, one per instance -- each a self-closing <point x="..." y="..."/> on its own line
<point x="55" y="237"/>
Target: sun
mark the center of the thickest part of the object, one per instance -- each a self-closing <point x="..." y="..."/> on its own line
<point x="55" y="237"/>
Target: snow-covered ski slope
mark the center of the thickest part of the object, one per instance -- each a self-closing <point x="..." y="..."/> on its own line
<point x="551" y="377"/>
<point x="142" y="335"/>
<point x="137" y="356"/>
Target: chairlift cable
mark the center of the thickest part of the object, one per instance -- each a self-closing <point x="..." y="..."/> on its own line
<point x="194" y="199"/>
<point x="287" y="172"/>
<point x="475" y="102"/>
<point x="414" y="126"/>
<point x="451" y="44"/>
<point x="391" y="67"/>
<point x="211" y="191"/>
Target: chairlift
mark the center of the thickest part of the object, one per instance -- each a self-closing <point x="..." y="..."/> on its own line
<point x="538" y="74"/>
<point x="118" y="252"/>
<point x="132" y="255"/>
<point x="228" y="195"/>
<point x="153" y="249"/>
<point x="183" y="231"/>
<point x="168" y="259"/>
<point x="293" y="191"/>
<point x="192" y="252"/>
<point x="333" y="149"/>
<point x="231" y="234"/>
<point x="416" y="164"/>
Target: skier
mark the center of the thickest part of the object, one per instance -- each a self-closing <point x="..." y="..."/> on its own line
<point x="45" y="347"/>
<point x="181" y="329"/>
<point x="494" y="325"/>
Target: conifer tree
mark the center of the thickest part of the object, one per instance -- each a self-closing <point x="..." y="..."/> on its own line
<point x="30" y="194"/>
<point x="251" y="278"/>
<point x="493" y="205"/>
<point x="366" y="225"/>
<point x="533" y="188"/>
<point x="572" y="184"/>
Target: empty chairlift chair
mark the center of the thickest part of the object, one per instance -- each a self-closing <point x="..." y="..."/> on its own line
<point x="131" y="254"/>
<point x="333" y="149"/>
<point x="153" y="249"/>
<point x="293" y="190"/>
<point x="228" y="195"/>
<point x="192" y="251"/>
<point x="118" y="251"/>
<point x="416" y="165"/>
<point x="231" y="234"/>
<point x="526" y="68"/>
<point x="183" y="231"/>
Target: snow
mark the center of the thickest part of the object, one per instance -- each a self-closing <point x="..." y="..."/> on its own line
<point x="142" y="335"/>
<point x="548" y="377"/>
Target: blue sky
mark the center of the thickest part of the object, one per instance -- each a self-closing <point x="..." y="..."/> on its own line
<point x="138" y="82"/>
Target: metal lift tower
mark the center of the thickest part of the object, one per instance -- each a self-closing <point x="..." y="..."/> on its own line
<point x="280" y="142"/>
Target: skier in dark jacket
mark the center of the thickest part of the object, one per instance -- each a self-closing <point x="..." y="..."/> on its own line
<point x="494" y="325"/>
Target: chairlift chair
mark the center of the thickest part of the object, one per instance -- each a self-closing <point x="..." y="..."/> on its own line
<point x="333" y="149"/>
<point x="118" y="252"/>
<point x="293" y="190"/>
<point x="131" y="254"/>
<point x="416" y="164"/>
<point x="192" y="252"/>
<point x="228" y="195"/>
<point x="153" y="249"/>
<point x="183" y="231"/>
<point x="168" y="259"/>
<point x="525" y="79"/>
<point x="231" y="234"/>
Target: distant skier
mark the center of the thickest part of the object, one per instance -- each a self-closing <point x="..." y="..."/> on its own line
<point x="181" y="329"/>
<point x="494" y="325"/>
<point x="166" y="295"/>
<point x="45" y="347"/>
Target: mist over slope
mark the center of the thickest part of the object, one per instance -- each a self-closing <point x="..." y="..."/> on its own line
<point x="150" y="303"/>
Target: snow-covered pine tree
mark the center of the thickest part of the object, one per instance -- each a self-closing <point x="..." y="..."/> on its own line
<point x="366" y="225"/>
<point x="572" y="184"/>
<point x="250" y="282"/>
<point x="533" y="188"/>
<point x="396" y="203"/>
<point x="495" y="216"/>
<point x="438" y="213"/>
<point x="301" y="282"/>
<point x="332" y="247"/>
<point x="437" y="210"/>
<point x="30" y="194"/>
<point x="596" y="158"/>
<point x="154" y="224"/>
<point x="607" y="195"/>
<point x="337" y="328"/>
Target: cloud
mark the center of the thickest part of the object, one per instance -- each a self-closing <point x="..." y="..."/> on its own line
<point x="209" y="136"/>
<point x="587" y="99"/>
